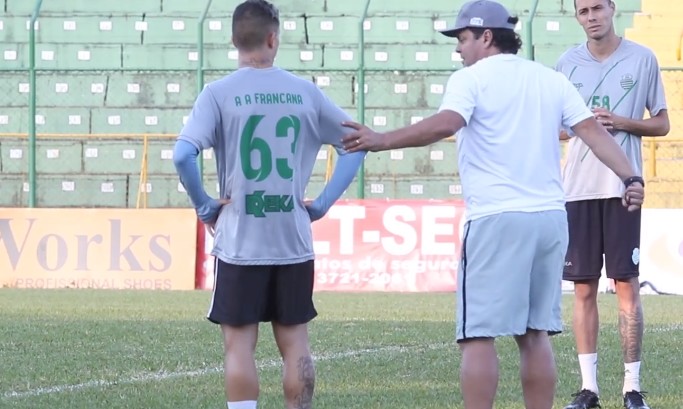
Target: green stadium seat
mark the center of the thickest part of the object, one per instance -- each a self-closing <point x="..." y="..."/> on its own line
<point x="405" y="7"/>
<point x="11" y="190"/>
<point x="78" y="190"/>
<point x="14" y="155"/>
<point x="209" y="163"/>
<point x="137" y="121"/>
<point x="548" y="54"/>
<point x="151" y="89"/>
<point x="162" y="191"/>
<point x="107" y="29"/>
<point x="380" y="187"/>
<point x="59" y="156"/>
<point x="15" y="29"/>
<point x="25" y="7"/>
<point x="428" y="188"/>
<point x="188" y="8"/>
<point x="13" y="55"/>
<point x="71" y="89"/>
<point x="413" y="57"/>
<point x="112" y="156"/>
<point x="164" y="29"/>
<point x="63" y="56"/>
<point x="184" y="57"/>
<point x="324" y="29"/>
<point x="559" y="31"/>
<point x="317" y="183"/>
<point x="160" y="156"/>
<point x="320" y="167"/>
<point x="337" y="85"/>
<point x="13" y="120"/>
<point x="630" y="6"/>
<point x="437" y="160"/>
<point x="62" y="121"/>
<point x="407" y="29"/>
<point x="13" y="90"/>
<point x="195" y="8"/>
<point x="406" y="89"/>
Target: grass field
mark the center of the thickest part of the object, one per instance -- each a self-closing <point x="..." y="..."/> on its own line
<point x="109" y="349"/>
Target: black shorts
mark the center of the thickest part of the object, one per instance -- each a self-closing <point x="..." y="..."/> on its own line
<point x="602" y="227"/>
<point x="244" y="295"/>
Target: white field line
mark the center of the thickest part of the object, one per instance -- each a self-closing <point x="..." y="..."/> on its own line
<point x="161" y="376"/>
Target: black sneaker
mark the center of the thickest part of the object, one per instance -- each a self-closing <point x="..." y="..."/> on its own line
<point x="585" y="399"/>
<point x="635" y="400"/>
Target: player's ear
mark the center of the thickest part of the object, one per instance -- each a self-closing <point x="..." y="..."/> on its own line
<point x="272" y="39"/>
<point x="488" y="37"/>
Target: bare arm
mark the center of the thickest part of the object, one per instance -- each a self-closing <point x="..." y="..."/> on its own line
<point x="604" y="147"/>
<point x="658" y="125"/>
<point x="425" y="132"/>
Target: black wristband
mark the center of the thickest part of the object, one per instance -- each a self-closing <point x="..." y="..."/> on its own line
<point x="633" y="179"/>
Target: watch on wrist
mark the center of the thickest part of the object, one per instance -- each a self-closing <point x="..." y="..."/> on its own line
<point x="633" y="179"/>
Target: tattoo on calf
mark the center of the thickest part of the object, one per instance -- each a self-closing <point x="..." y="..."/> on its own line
<point x="631" y="331"/>
<point x="306" y="369"/>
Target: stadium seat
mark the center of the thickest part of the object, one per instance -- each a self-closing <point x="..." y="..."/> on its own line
<point x="14" y="120"/>
<point x="24" y="7"/>
<point x="161" y="191"/>
<point x="14" y="156"/>
<point x="59" y="156"/>
<point x="11" y="190"/>
<point x="81" y="190"/>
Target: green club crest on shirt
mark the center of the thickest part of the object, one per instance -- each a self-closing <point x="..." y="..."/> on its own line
<point x="627" y="82"/>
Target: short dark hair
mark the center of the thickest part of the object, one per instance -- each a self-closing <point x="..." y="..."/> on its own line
<point x="609" y="2"/>
<point x="252" y="21"/>
<point x="507" y="41"/>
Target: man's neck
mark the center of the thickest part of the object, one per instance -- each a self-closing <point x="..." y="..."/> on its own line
<point x="254" y="60"/>
<point x="603" y="48"/>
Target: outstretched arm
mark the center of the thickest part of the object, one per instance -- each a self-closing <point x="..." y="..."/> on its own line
<point x="426" y="132"/>
<point x="610" y="153"/>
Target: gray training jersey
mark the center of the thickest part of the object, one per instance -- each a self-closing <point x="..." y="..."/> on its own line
<point x="266" y="127"/>
<point x="627" y="83"/>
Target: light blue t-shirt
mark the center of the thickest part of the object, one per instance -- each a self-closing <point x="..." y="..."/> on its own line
<point x="266" y="127"/>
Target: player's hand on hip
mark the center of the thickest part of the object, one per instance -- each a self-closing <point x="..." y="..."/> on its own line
<point x="634" y="196"/>
<point x="209" y="211"/>
<point x="314" y="212"/>
<point x="362" y="139"/>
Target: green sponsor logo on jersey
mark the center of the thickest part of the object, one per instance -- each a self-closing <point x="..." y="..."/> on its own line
<point x="259" y="203"/>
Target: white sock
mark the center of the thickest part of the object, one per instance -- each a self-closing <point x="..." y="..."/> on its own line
<point x="632" y="377"/>
<point x="589" y="371"/>
<point x="245" y="404"/>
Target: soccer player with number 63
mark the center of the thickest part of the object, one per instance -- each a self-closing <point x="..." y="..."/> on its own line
<point x="266" y="127"/>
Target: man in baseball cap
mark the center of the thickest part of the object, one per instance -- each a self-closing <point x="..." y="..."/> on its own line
<point x="483" y="28"/>
<point x="481" y="14"/>
<point x="515" y="236"/>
